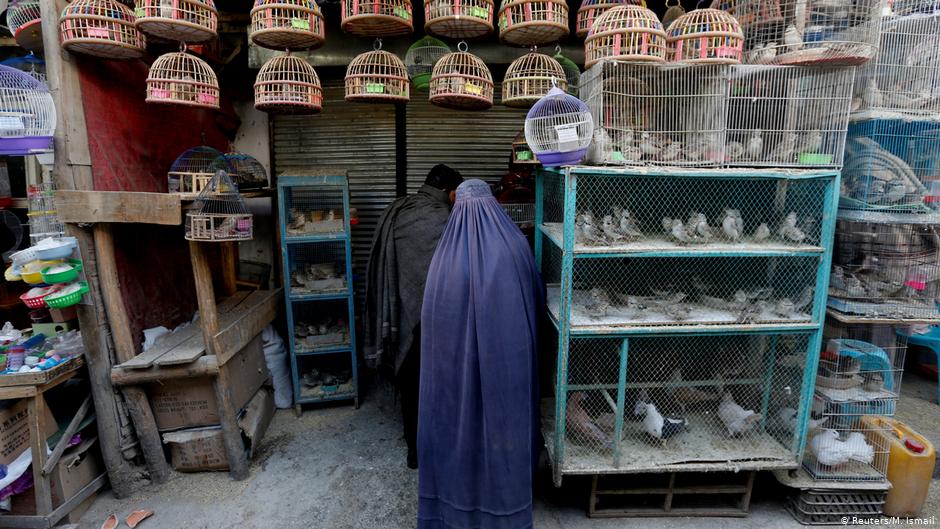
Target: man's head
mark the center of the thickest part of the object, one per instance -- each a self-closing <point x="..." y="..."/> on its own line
<point x="444" y="178"/>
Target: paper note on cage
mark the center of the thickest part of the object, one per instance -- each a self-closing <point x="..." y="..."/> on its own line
<point x="567" y="136"/>
<point x="299" y="23"/>
<point x="11" y="123"/>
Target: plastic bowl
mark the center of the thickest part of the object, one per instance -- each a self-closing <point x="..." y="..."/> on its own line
<point x="36" y="297"/>
<point x="60" y="249"/>
<point x="75" y="266"/>
<point x="32" y="272"/>
<point x="11" y="275"/>
<point x="61" y="301"/>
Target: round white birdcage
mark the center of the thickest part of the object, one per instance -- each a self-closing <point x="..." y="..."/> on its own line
<point x="530" y="77"/>
<point x="626" y="33"/>
<point x="182" y="79"/>
<point x="461" y="81"/>
<point x="287" y="24"/>
<point x="219" y="213"/>
<point x="421" y="58"/>
<point x="23" y="19"/>
<point x="178" y="20"/>
<point x="27" y="113"/>
<point x="590" y="10"/>
<point x="102" y="28"/>
<point x="192" y="170"/>
<point x="377" y="18"/>
<point x="705" y="36"/>
<point x="458" y="19"/>
<point x="287" y="84"/>
<point x="558" y="129"/>
<point x="377" y="77"/>
<point x="533" y="22"/>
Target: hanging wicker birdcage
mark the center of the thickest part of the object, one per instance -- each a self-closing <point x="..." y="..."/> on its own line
<point x="572" y="72"/>
<point x="530" y="77"/>
<point x="178" y="20"/>
<point x="421" y="58"/>
<point x="558" y="129"/>
<point x="23" y="19"/>
<point x="27" y="113"/>
<point x="287" y="24"/>
<point x="287" y="84"/>
<point x="590" y="10"/>
<point x="102" y="28"/>
<point x="377" y="18"/>
<point x="219" y="213"/>
<point x="192" y="170"/>
<point x="182" y="79"/>
<point x="248" y="173"/>
<point x="458" y="19"/>
<point x="705" y="36"/>
<point x="626" y="33"/>
<point x="377" y="77"/>
<point x="461" y="81"/>
<point x="533" y="22"/>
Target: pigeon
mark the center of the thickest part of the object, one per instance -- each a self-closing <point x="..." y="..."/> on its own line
<point x="872" y="97"/>
<point x="647" y="147"/>
<point x="761" y="233"/>
<point x="792" y="38"/>
<point x="859" y="448"/>
<point x="730" y="225"/>
<point x="766" y="54"/>
<point x="751" y="57"/>
<point x="735" y="418"/>
<point x="787" y="419"/>
<point x="788" y="230"/>
<point x="784" y="308"/>
<point x="655" y="424"/>
<point x="755" y="145"/>
<point x="297" y="220"/>
<point x="610" y="229"/>
<point x="688" y="395"/>
<point x="598" y="304"/>
<point x="812" y="142"/>
<point x="894" y="192"/>
<point x="672" y="151"/>
<point x="734" y="150"/>
<point x="837" y="278"/>
<point x="667" y="224"/>
<point x="588" y="232"/>
<point x="832" y="452"/>
<point x="679" y="232"/>
<point x="627" y="226"/>
<point x="698" y="226"/>
<point x="783" y="152"/>
<point x="580" y="423"/>
<point x="854" y="287"/>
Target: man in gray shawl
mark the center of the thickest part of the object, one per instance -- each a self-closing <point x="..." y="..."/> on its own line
<point x="402" y="247"/>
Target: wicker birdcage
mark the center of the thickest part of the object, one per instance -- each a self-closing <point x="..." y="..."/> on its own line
<point x="421" y="58"/>
<point x="458" y="19"/>
<point x="530" y="77"/>
<point x="377" y="18"/>
<point x="287" y="24"/>
<point x="590" y="10"/>
<point x="248" y="173"/>
<point x="377" y="77"/>
<point x="461" y="81"/>
<point x="102" y="28"/>
<point x="27" y="113"/>
<point x="287" y="84"/>
<point x="572" y="72"/>
<point x="626" y="33"/>
<point x="533" y="22"/>
<point x="219" y="213"/>
<point x="178" y="20"/>
<point x="559" y="129"/>
<point x="192" y="170"/>
<point x="182" y="79"/>
<point x="23" y="19"/>
<point x="705" y="36"/>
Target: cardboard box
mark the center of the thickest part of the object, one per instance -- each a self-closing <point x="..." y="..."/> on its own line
<point x="78" y="466"/>
<point x="14" y="428"/>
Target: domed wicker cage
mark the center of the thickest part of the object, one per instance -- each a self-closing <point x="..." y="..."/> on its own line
<point x="533" y="22"/>
<point x="705" y="36"/>
<point x="572" y="72"/>
<point x="287" y="84"/>
<point x="559" y="129"/>
<point x="219" y="213"/>
<point x="377" y="77"/>
<point x="421" y="58"/>
<point x="287" y="24"/>
<point x="590" y="10"/>
<point x="192" y="170"/>
<point x="530" y="77"/>
<point x="461" y="81"/>
<point x="248" y="171"/>
<point x="102" y="28"/>
<point x="458" y="19"/>
<point x="178" y="20"/>
<point x="377" y="18"/>
<point x="626" y="33"/>
<point x="23" y="19"/>
<point x="27" y="113"/>
<point x="182" y="79"/>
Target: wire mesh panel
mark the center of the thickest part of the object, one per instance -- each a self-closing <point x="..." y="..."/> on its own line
<point x="377" y="18"/>
<point x="657" y="114"/>
<point x="377" y="77"/>
<point x="287" y="24"/>
<point x="313" y="210"/>
<point x="288" y="84"/>
<point x="24" y="21"/>
<point x="182" y="79"/>
<point x="788" y="116"/>
<point x="458" y="19"/>
<point x="27" y="113"/>
<point x="102" y="28"/>
<point x="533" y="22"/>
<point x="318" y="269"/>
<point x="848" y="445"/>
<point x="886" y="265"/>
<point x="192" y="170"/>
<point x="178" y="20"/>
<point x="421" y="58"/>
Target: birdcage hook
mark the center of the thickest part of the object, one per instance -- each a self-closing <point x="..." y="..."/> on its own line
<point x="183" y="47"/>
<point x="557" y="48"/>
<point x="377" y="45"/>
<point x="462" y="46"/>
<point x="533" y="49"/>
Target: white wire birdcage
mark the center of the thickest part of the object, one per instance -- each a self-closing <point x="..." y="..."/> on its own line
<point x="287" y="84"/>
<point x="855" y="449"/>
<point x="458" y="19"/>
<point x="788" y="116"/>
<point x="178" y="20"/>
<point x="627" y="33"/>
<point x="462" y="81"/>
<point x="657" y="114"/>
<point x="590" y="10"/>
<point x="219" y="214"/>
<point x="248" y="172"/>
<point x="377" y="77"/>
<point x="862" y="362"/>
<point x="558" y="129"/>
<point x="182" y="79"/>
<point x="23" y="19"/>
<point x="572" y="72"/>
<point x="421" y="58"/>
<point x="833" y="32"/>
<point x="102" y="28"/>
<point x="194" y="168"/>
<point x="533" y="22"/>
<point x="31" y="64"/>
<point x="706" y="36"/>
<point x="377" y="18"/>
<point x="530" y="77"/>
<point x="287" y="24"/>
<point x="27" y="113"/>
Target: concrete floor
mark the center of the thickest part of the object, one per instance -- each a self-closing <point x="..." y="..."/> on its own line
<point x="340" y="468"/>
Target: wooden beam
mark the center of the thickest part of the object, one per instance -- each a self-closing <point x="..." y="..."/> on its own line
<point x="83" y="207"/>
<point x="259" y="310"/>
<point x="231" y="433"/>
<point x="229" y="257"/>
<point x="67" y="436"/>
<point x="205" y="295"/>
<point x="203" y="366"/>
<point x="37" y="440"/>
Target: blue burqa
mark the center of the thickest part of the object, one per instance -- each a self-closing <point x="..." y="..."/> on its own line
<point x="478" y="408"/>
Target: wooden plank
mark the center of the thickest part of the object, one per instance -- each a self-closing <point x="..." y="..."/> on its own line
<point x="229" y="262"/>
<point x="67" y="436"/>
<point x="195" y="347"/>
<point x="88" y="207"/>
<point x="203" y="366"/>
<point x="147" y="433"/>
<point x="231" y="434"/>
<point x="37" y="441"/>
<point x="205" y="295"/>
<point x="259" y="310"/>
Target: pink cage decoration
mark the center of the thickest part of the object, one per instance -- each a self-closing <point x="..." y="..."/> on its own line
<point x="705" y="36"/>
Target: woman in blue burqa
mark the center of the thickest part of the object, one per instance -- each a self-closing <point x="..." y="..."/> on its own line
<point x="478" y="409"/>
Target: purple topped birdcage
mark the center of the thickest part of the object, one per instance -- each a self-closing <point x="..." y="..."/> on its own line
<point x="27" y="113"/>
<point x="558" y="128"/>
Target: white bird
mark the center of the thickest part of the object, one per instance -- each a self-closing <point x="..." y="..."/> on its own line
<point x="588" y="231"/>
<point x="767" y="54"/>
<point x="679" y="232"/>
<point x="792" y="38"/>
<point x="788" y="230"/>
<point x="735" y="418"/>
<point x="860" y="449"/>
<point x="654" y="423"/>
<point x="787" y="419"/>
<point x="647" y="146"/>
<point x="755" y="145"/>
<point x="831" y="451"/>
<point x="627" y="226"/>
<point x="672" y="151"/>
<point x="872" y="97"/>
<point x="761" y="233"/>
<point x="751" y="57"/>
<point x="731" y="226"/>
<point x="610" y="229"/>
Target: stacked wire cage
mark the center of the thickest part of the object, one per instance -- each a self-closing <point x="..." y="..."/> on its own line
<point x="219" y="213"/>
<point x="316" y="251"/>
<point x="194" y="168"/>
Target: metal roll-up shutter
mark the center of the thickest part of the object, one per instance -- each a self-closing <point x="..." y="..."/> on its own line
<point x="358" y="137"/>
<point x="477" y="144"/>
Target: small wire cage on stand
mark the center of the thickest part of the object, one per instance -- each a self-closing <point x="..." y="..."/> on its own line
<point x="533" y="22"/>
<point x="192" y="170"/>
<point x="287" y="24"/>
<point x="458" y="19"/>
<point x="27" y="113"/>
<point x="559" y="129"/>
<point x="421" y="58"/>
<point x="102" y="28"/>
<point x="705" y="36"/>
<point x="530" y="77"/>
<point x="590" y="10"/>
<point x="287" y="84"/>
<point x="248" y="171"/>
<point x="461" y="81"/>
<point x="377" y="18"/>
<point x="182" y="79"/>
<point x="626" y="33"/>
<point x="178" y="20"/>
<point x="377" y="77"/>
<point x="23" y="19"/>
<point x="219" y="213"/>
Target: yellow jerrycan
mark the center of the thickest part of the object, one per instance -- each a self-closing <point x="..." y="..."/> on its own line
<point x="911" y="459"/>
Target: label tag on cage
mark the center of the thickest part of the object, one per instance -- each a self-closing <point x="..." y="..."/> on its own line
<point x="567" y="136"/>
<point x="916" y="279"/>
<point x="139" y="12"/>
<point x="299" y="23"/>
<point x="11" y="123"/>
<point x="100" y="33"/>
